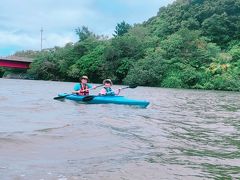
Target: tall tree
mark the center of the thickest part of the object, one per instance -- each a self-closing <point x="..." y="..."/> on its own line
<point x="121" y="28"/>
<point x="83" y="33"/>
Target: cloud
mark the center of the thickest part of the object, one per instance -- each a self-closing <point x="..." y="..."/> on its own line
<point x="26" y="40"/>
<point x="21" y="21"/>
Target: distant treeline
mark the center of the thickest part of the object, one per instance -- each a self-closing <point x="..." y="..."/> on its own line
<point x="189" y="44"/>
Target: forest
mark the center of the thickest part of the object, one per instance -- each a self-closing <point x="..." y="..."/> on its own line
<point x="189" y="44"/>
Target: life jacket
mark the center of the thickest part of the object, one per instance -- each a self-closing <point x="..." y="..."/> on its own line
<point x="84" y="91"/>
<point x="109" y="91"/>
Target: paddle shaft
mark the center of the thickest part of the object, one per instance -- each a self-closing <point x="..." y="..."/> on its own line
<point x="128" y="87"/>
<point x="93" y="88"/>
<point x="124" y="88"/>
<point x="89" y="98"/>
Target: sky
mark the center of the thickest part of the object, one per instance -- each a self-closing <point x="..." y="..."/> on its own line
<point x="21" y="21"/>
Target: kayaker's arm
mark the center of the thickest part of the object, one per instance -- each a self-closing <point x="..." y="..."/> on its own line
<point x="76" y="92"/>
<point x="102" y="92"/>
<point x="94" y="87"/>
<point x="117" y="92"/>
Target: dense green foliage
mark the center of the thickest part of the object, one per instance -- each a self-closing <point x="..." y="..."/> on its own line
<point x="189" y="44"/>
<point x="2" y="71"/>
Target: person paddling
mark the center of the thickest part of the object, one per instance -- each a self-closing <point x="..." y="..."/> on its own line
<point x="107" y="90"/>
<point x="83" y="87"/>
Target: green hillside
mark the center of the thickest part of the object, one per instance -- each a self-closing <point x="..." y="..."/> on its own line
<point x="189" y="44"/>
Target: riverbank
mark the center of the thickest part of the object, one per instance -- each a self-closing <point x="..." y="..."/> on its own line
<point x="25" y="76"/>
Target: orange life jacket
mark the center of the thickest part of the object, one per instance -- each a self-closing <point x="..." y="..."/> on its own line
<point x="84" y="91"/>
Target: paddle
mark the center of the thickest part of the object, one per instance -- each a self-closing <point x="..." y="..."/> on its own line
<point x="61" y="97"/>
<point x="65" y="95"/>
<point x="89" y="98"/>
<point x="130" y="86"/>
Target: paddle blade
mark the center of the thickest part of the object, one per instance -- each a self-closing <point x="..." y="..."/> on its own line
<point x="132" y="86"/>
<point x="60" y="97"/>
<point x="88" y="98"/>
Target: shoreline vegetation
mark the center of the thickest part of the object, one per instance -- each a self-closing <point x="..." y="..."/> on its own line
<point x="190" y="44"/>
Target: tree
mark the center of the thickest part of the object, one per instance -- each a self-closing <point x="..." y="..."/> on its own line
<point x="1" y="72"/>
<point x="219" y="28"/>
<point x="90" y="64"/>
<point x="121" y="28"/>
<point x="148" y="71"/>
<point x="83" y="33"/>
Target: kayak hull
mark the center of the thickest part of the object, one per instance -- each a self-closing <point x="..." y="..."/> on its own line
<point x="108" y="100"/>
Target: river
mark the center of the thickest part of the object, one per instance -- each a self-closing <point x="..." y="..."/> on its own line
<point x="183" y="134"/>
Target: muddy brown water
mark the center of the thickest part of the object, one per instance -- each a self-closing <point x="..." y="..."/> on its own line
<point x="183" y="134"/>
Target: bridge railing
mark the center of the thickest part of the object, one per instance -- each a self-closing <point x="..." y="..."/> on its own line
<point x="16" y="58"/>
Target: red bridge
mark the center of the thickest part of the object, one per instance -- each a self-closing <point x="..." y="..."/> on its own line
<point x="15" y="62"/>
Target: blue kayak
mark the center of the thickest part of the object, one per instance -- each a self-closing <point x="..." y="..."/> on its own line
<point x="106" y="100"/>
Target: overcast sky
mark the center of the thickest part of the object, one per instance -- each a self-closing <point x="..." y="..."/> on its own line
<point x="21" y="21"/>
